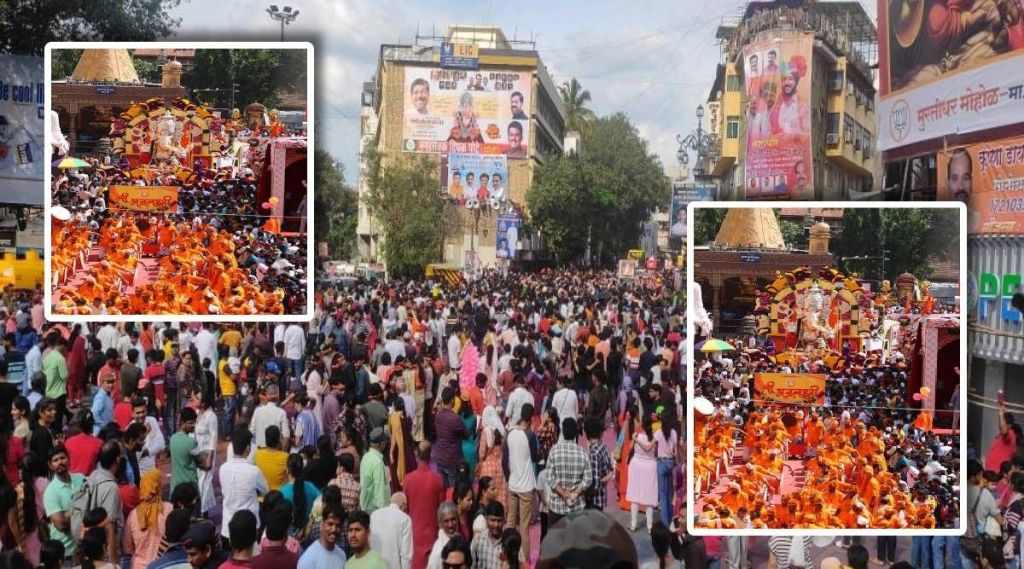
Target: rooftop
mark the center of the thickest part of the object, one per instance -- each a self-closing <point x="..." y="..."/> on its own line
<point x="816" y="212"/>
<point x="169" y="53"/>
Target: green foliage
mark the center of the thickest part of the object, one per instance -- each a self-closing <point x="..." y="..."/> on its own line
<point x="63" y="61"/>
<point x="335" y="206"/>
<point x="793" y="234"/>
<point x="404" y="196"/>
<point x="606" y="193"/>
<point x="148" y="70"/>
<point x="914" y="239"/>
<point x="578" y="116"/>
<point x="706" y="223"/>
<point x="26" y="26"/>
<point x="261" y="76"/>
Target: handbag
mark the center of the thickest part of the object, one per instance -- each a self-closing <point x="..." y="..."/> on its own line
<point x="204" y="460"/>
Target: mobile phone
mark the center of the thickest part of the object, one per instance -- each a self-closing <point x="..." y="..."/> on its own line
<point x="1000" y="397"/>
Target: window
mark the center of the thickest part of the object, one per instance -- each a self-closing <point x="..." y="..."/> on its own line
<point x="732" y="127"/>
<point x="732" y="83"/>
<point x="832" y="124"/>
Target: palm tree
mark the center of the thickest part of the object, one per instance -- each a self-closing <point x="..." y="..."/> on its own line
<point x="577" y="115"/>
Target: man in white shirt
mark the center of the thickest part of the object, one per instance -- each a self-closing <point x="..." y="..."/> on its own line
<point x="107" y="336"/>
<point x="153" y="444"/>
<point x="391" y="532"/>
<point x="267" y="415"/>
<point x="279" y="332"/>
<point x="394" y="346"/>
<point x="565" y="400"/>
<point x="242" y="483"/>
<point x="521" y="478"/>
<point x="454" y="351"/>
<point x="448" y="527"/>
<point x="519" y="397"/>
<point x="295" y="347"/>
<point x="206" y="345"/>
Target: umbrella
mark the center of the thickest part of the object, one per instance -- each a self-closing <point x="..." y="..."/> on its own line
<point x="703" y="406"/>
<point x="70" y="163"/>
<point x="713" y="345"/>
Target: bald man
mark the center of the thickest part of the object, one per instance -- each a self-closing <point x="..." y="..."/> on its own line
<point x="391" y="532"/>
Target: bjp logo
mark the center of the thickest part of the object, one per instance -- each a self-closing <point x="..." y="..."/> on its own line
<point x="899" y="120"/>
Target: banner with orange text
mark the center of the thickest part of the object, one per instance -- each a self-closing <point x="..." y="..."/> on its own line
<point x="790" y="388"/>
<point x="144" y="198"/>
<point x="989" y="177"/>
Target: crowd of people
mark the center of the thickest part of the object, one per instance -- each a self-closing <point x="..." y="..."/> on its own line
<point x="216" y="251"/>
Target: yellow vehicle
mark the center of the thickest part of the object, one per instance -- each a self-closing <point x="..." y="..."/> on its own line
<point x="24" y="270"/>
<point x="450" y="274"/>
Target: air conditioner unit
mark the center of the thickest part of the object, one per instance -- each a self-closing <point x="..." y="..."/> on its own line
<point x="832" y="138"/>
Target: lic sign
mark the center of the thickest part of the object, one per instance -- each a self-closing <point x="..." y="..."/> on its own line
<point x="996" y="294"/>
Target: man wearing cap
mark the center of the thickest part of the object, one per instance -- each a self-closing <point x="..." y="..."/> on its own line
<point x="373" y="484"/>
<point x="199" y="542"/>
<point x="268" y="415"/>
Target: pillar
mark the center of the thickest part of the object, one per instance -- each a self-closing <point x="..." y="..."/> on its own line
<point x="716" y="304"/>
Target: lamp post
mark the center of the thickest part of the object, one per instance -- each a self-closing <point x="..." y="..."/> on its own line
<point x="700" y="142"/>
<point x="285" y="15"/>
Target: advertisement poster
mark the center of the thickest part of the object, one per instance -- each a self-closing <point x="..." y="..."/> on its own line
<point x="778" y="142"/>
<point x="144" y="198"/>
<point x="471" y="112"/>
<point x="475" y="179"/>
<point x="948" y="68"/>
<point x="21" y="130"/>
<point x="507" y="237"/>
<point x="683" y="194"/>
<point x="790" y="388"/>
<point x="989" y="178"/>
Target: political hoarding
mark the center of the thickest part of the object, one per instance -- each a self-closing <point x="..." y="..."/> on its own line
<point x="470" y="112"/>
<point x="989" y="178"/>
<point x="682" y="194"/>
<point x="144" y="198"/>
<point x="22" y="156"/>
<point x="507" y="237"/>
<point x="475" y="179"/>
<point x="778" y="141"/>
<point x="948" y="68"/>
<point x="790" y="388"/>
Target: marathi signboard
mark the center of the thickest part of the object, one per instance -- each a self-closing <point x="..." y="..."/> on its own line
<point x="144" y="198"/>
<point x="507" y="237"/>
<point x="21" y="130"/>
<point x="778" y="141"/>
<point x="475" y="179"/>
<point x="460" y="56"/>
<point x="790" y="388"/>
<point x="682" y="194"/>
<point x="989" y="178"/>
<point x="464" y="112"/>
<point x="948" y="70"/>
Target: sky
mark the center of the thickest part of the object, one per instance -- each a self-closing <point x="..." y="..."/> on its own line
<point x="653" y="60"/>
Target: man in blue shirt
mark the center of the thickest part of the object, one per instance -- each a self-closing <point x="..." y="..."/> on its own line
<point x="103" y="404"/>
<point x="326" y="552"/>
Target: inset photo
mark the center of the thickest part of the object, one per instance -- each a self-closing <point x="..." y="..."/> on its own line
<point x="179" y="181"/>
<point x="827" y="343"/>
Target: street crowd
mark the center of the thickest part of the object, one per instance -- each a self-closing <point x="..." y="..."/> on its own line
<point x="499" y="423"/>
<point x="218" y="252"/>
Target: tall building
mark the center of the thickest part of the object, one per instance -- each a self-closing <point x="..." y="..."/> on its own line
<point x="792" y="107"/>
<point x="487" y="109"/>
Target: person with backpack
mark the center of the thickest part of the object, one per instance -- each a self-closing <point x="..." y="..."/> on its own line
<point x="102" y="491"/>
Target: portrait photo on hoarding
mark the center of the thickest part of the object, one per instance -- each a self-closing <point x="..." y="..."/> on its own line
<point x="826" y="381"/>
<point x="173" y="192"/>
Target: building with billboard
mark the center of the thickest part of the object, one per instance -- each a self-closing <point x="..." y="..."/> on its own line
<point x="793" y="103"/>
<point x="951" y="115"/>
<point x="487" y="109"/>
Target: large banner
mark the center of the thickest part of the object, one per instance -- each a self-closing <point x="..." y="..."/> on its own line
<point x="683" y="194"/>
<point x="21" y="130"/>
<point x="778" y="143"/>
<point x="144" y="198"/>
<point x="989" y="178"/>
<point x="475" y="179"/>
<point x="472" y="112"/>
<point x="948" y="68"/>
<point x="790" y="388"/>
<point x="507" y="237"/>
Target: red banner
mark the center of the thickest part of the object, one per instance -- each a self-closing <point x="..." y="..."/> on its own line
<point x="790" y="388"/>
<point x="144" y="198"/>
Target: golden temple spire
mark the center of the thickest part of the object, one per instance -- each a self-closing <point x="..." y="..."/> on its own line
<point x="105" y="65"/>
<point x="750" y="228"/>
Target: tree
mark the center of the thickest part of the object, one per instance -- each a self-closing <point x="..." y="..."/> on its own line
<point x="578" y="116"/>
<point x="26" y="26"/>
<point x="603" y="195"/>
<point x="404" y="196"/>
<point x="792" y="233"/>
<point x="706" y="223"/>
<point x="148" y="71"/>
<point x="335" y="206"/>
<point x="260" y="74"/>
<point x="63" y="62"/>
<point x="913" y="240"/>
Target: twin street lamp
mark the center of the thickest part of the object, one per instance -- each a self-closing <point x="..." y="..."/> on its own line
<point x="284" y="15"/>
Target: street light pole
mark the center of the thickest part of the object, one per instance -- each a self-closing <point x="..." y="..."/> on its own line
<point x="700" y="142"/>
<point x="285" y="15"/>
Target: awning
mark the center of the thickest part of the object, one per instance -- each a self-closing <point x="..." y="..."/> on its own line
<point x="21" y="192"/>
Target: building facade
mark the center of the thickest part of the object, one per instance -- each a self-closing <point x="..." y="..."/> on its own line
<point x="491" y="110"/>
<point x="793" y="103"/>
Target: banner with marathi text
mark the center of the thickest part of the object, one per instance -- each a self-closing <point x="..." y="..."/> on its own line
<point x="778" y="142"/>
<point x="144" y="198"/>
<point x="989" y="178"/>
<point x="790" y="388"/>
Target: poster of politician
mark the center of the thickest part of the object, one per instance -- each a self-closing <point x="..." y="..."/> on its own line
<point x="507" y="237"/>
<point x="778" y="84"/>
<point x="989" y="178"/>
<point x="472" y="112"/>
<point x="475" y="180"/>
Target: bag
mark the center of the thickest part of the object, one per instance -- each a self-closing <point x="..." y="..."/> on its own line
<point x="82" y="502"/>
<point x="204" y="460"/>
<point x="974" y="539"/>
